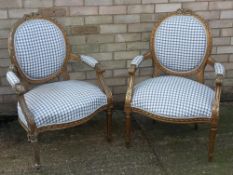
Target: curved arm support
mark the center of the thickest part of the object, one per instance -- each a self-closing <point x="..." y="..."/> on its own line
<point x="92" y="62"/>
<point x="104" y="87"/>
<point x="132" y="70"/>
<point x="219" y="71"/>
<point x="16" y="84"/>
<point x="28" y="115"/>
<point x="129" y="92"/>
<point x="215" y="107"/>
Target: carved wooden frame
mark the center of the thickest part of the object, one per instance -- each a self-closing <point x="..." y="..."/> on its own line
<point x="158" y="69"/>
<point x="27" y="82"/>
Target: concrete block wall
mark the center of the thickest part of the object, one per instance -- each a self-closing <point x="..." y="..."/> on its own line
<point x="114" y="31"/>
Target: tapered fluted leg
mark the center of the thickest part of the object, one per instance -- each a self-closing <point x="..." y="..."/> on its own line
<point x="127" y="129"/>
<point x="33" y="139"/>
<point x="212" y="139"/>
<point x="109" y="124"/>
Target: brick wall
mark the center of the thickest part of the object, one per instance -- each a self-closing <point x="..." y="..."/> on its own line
<point x="114" y="31"/>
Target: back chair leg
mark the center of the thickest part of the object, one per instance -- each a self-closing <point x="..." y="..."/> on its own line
<point x="212" y="139"/>
<point x="33" y="139"/>
<point x="127" y="128"/>
<point x="109" y="124"/>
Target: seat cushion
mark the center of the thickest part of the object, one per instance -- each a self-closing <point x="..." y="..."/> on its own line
<point x="62" y="102"/>
<point x="173" y="97"/>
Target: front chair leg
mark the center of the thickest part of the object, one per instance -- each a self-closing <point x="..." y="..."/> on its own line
<point x="33" y="139"/>
<point x="127" y="129"/>
<point x="109" y="124"/>
<point x="212" y="139"/>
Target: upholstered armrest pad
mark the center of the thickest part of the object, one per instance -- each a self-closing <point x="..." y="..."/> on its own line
<point x="89" y="60"/>
<point x="219" y="69"/>
<point x="137" y="60"/>
<point x="12" y="78"/>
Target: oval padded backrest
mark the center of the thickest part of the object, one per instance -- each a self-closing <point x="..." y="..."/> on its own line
<point x="40" y="48"/>
<point x="180" y="43"/>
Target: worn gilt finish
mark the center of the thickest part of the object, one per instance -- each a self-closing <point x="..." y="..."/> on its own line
<point x="199" y="71"/>
<point x="27" y="83"/>
<point x="159" y="69"/>
<point x="11" y="49"/>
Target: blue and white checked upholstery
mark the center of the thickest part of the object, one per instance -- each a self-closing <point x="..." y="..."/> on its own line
<point x="62" y="102"/>
<point x="137" y="60"/>
<point x="40" y="48"/>
<point x="12" y="78"/>
<point x="219" y="69"/>
<point x="180" y="43"/>
<point x="173" y="97"/>
<point x="89" y="60"/>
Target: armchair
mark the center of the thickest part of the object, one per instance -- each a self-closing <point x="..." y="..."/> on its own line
<point x="180" y="46"/>
<point x="47" y="99"/>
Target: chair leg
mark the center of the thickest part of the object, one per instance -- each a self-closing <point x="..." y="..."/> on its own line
<point x="212" y="139"/>
<point x="33" y="139"/>
<point x="127" y="129"/>
<point x="109" y="124"/>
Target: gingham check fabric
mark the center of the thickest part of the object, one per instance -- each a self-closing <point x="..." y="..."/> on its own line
<point x="40" y="48"/>
<point x="180" y="43"/>
<point x="219" y="69"/>
<point x="12" y="78"/>
<point x="137" y="60"/>
<point x="173" y="97"/>
<point x="62" y="102"/>
<point x="89" y="60"/>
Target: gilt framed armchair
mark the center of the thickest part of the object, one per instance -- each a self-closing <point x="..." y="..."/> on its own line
<point x="180" y="47"/>
<point x="47" y="99"/>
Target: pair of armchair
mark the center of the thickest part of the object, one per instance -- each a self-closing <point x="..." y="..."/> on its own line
<point x="180" y="46"/>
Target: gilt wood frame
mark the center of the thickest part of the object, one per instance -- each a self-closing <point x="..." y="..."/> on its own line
<point x="12" y="54"/>
<point x="158" y="69"/>
<point x="27" y="82"/>
<point x="202" y="65"/>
